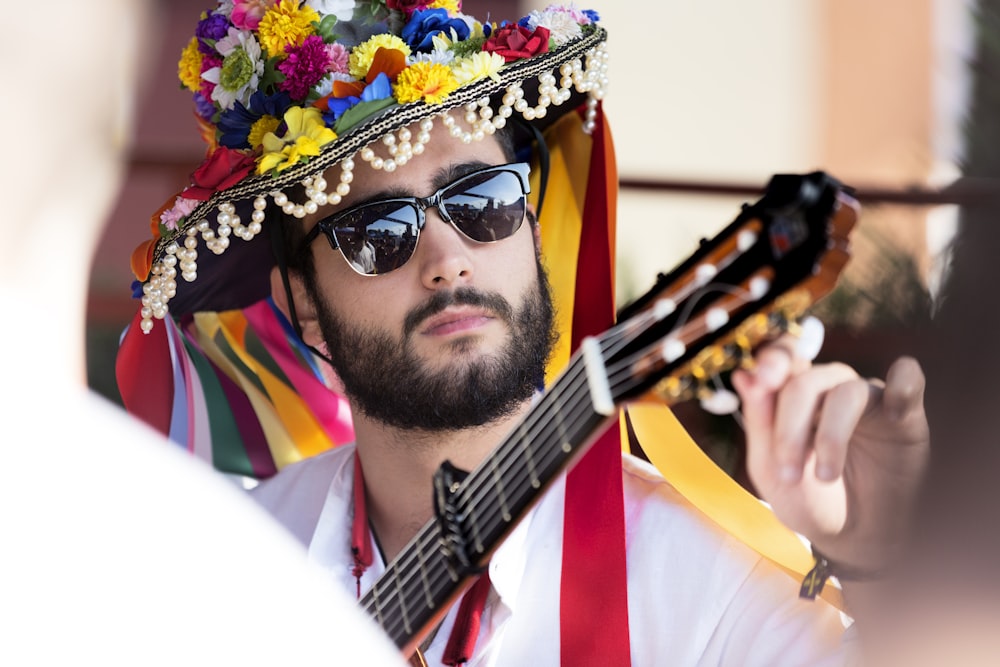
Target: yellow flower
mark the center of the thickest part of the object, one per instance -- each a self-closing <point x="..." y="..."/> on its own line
<point x="362" y="54"/>
<point x="477" y="66"/>
<point x="431" y="82"/>
<point x="285" y="24"/>
<point x="189" y="67"/>
<point x="453" y="6"/>
<point x="262" y="126"/>
<point x="305" y="136"/>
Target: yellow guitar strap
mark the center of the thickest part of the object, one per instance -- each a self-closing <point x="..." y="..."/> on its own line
<point x="717" y="495"/>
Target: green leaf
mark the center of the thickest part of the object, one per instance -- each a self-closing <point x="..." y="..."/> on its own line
<point x="325" y="28"/>
<point x="271" y="77"/>
<point x="360" y="112"/>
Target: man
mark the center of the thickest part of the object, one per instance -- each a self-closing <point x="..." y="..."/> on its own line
<point x="441" y="350"/>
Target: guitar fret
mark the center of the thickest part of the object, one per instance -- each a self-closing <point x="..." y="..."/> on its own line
<point x="499" y="487"/>
<point x="378" y="604"/>
<point x="402" y="602"/>
<point x="422" y="566"/>
<point x="529" y="457"/>
<point x="477" y="536"/>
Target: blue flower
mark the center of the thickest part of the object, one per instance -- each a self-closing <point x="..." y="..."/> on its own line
<point x="592" y="15"/>
<point x="235" y="124"/>
<point x="379" y="89"/>
<point x="425" y="24"/>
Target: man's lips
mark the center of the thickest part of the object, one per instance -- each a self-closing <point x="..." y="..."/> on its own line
<point x="455" y="320"/>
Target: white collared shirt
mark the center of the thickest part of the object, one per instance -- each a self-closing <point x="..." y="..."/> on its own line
<point x="697" y="596"/>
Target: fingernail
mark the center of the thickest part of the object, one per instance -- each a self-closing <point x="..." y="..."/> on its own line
<point x="826" y="472"/>
<point x="789" y="473"/>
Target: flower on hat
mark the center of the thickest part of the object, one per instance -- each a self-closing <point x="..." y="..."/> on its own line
<point x="305" y="134"/>
<point x="286" y="24"/>
<point x="181" y="209"/>
<point x="304" y="66"/>
<point x="425" y="24"/>
<point x="563" y="23"/>
<point x="477" y="66"/>
<point x="211" y="28"/>
<point x="224" y="168"/>
<point x="189" y="66"/>
<point x="241" y="69"/>
<point x="430" y="82"/>
<point x="363" y="54"/>
<point x="247" y="13"/>
<point x="237" y="125"/>
<point x="514" y="42"/>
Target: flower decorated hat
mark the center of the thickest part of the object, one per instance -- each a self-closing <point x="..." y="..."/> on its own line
<point x="285" y="91"/>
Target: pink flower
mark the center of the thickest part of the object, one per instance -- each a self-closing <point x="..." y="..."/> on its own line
<point x="246" y="13"/>
<point x="207" y="63"/>
<point x="339" y="57"/>
<point x="181" y="209"/>
<point x="304" y="66"/>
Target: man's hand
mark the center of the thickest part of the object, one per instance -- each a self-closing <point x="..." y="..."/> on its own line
<point x="839" y="458"/>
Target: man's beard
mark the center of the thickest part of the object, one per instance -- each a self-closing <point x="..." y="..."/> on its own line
<point x="385" y="380"/>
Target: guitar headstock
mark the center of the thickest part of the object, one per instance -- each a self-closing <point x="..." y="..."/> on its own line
<point x="748" y="284"/>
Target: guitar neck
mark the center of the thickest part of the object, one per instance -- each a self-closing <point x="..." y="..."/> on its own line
<point x="421" y="582"/>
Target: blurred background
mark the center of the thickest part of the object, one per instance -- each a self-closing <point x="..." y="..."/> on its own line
<point x="708" y="100"/>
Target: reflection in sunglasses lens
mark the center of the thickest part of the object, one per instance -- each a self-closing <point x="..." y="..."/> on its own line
<point x="381" y="236"/>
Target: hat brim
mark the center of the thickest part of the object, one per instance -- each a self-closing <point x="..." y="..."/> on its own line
<point x="239" y="276"/>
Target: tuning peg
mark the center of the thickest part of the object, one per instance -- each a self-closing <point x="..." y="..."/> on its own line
<point x="719" y="401"/>
<point x="810" y="338"/>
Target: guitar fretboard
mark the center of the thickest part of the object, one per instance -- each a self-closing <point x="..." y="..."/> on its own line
<point x="423" y="579"/>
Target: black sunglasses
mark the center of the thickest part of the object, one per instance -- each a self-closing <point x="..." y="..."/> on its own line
<point x="380" y="236"/>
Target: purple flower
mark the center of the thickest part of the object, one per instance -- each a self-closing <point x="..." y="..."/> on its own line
<point x="425" y="24"/>
<point x="235" y="124"/>
<point x="304" y="66"/>
<point x="203" y="107"/>
<point x="213" y="27"/>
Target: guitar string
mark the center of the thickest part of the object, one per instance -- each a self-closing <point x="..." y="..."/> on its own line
<point x="612" y="341"/>
<point x="506" y="452"/>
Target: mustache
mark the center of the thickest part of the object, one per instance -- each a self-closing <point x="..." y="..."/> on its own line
<point x="463" y="296"/>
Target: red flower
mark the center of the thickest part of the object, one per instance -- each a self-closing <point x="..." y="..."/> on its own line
<point x="407" y="6"/>
<point x="223" y="169"/>
<point x="514" y="42"/>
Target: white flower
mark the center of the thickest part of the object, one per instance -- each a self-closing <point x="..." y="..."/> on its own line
<point x="438" y="56"/>
<point x="561" y="24"/>
<point x="343" y="9"/>
<point x="242" y="67"/>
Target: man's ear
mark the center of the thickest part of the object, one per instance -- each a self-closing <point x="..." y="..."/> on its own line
<point x="305" y="310"/>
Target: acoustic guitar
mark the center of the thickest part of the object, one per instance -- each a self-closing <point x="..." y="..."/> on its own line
<point x="751" y="282"/>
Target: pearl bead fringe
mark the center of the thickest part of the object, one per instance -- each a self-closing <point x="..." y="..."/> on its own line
<point x="588" y="75"/>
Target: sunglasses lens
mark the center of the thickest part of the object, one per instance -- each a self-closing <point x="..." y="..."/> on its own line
<point x="488" y="206"/>
<point x="379" y="237"/>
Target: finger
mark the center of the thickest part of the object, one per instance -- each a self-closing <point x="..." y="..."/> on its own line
<point x="776" y="361"/>
<point x="904" y="388"/>
<point x="786" y="444"/>
<point x="843" y="407"/>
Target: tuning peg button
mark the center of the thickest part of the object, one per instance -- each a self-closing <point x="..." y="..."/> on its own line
<point x="720" y="402"/>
